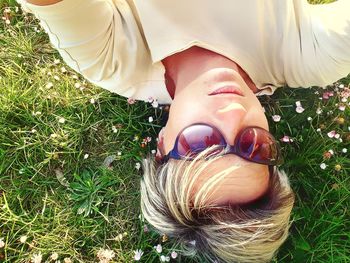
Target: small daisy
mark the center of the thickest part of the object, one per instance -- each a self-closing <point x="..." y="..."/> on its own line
<point x="285" y="139"/>
<point x="331" y="134"/>
<point x="131" y="101"/>
<point x="54" y="256"/>
<point x="86" y="156"/>
<point x="276" y="118"/>
<point x="92" y="101"/>
<point x="105" y="255"/>
<point x="23" y="239"/>
<point x="164" y="258"/>
<point x="2" y="243"/>
<point x="323" y="166"/>
<point x="62" y="120"/>
<point x="114" y="129"/>
<point x="49" y="85"/>
<point x="155" y="104"/>
<point x="299" y="109"/>
<point x="137" y="166"/>
<point x="150" y="119"/>
<point x="37" y="258"/>
<point x="342" y="107"/>
<point x="159" y="248"/>
<point x="344" y="150"/>
<point x="173" y="255"/>
<point x="138" y="254"/>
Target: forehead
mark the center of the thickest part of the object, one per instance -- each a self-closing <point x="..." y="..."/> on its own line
<point x="244" y="182"/>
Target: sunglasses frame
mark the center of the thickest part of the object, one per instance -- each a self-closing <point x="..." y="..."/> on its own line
<point x="229" y="149"/>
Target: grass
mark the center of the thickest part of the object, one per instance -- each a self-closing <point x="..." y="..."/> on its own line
<point x="68" y="152"/>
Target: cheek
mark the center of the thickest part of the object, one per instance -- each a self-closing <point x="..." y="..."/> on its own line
<point x="256" y="117"/>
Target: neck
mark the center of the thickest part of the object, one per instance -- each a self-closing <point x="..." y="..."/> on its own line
<point x="184" y="67"/>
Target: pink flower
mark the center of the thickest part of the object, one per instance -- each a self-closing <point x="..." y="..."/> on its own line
<point x="131" y="101"/>
<point x="342" y="107"/>
<point x="286" y="139"/>
<point x="331" y="134"/>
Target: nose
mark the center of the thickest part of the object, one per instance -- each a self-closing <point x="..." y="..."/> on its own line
<point x="229" y="120"/>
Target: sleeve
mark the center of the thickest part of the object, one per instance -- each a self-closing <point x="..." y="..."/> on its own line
<point x="316" y="43"/>
<point x="100" y="39"/>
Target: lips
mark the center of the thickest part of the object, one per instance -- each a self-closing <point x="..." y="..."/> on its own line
<point x="229" y="89"/>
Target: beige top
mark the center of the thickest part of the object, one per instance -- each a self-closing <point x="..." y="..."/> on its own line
<point x="119" y="44"/>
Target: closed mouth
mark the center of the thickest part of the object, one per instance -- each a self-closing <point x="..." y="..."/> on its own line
<point x="229" y="89"/>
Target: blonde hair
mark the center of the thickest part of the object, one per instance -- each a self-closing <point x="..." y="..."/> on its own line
<point x="232" y="233"/>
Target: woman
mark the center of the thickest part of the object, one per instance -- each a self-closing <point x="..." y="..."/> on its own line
<point x="216" y="188"/>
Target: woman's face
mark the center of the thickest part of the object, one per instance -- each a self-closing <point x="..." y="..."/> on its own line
<point x="230" y="113"/>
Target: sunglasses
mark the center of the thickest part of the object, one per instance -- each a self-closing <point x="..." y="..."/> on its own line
<point x="253" y="144"/>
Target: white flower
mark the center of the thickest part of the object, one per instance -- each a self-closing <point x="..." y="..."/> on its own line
<point x="337" y="136"/>
<point x="105" y="255"/>
<point x="56" y="61"/>
<point x="299" y="109"/>
<point x="23" y="239"/>
<point x="276" y="118"/>
<point x="63" y="70"/>
<point x="114" y="129"/>
<point x="119" y="153"/>
<point x="344" y="150"/>
<point x="137" y="166"/>
<point x="173" y="254"/>
<point x="309" y="118"/>
<point x="341" y="86"/>
<point x="54" y="256"/>
<point x="318" y="130"/>
<point x="119" y="237"/>
<point x="342" y="107"/>
<point x="49" y="85"/>
<point x="37" y="258"/>
<point x="138" y="254"/>
<point x="150" y="119"/>
<point x="164" y="258"/>
<point x="61" y="120"/>
<point x="323" y="166"/>
<point x="67" y="260"/>
<point x="153" y="151"/>
<point x="2" y="243"/>
<point x="92" y="101"/>
<point x="298" y="103"/>
<point x="158" y="248"/>
<point x="331" y="134"/>
<point x="77" y="85"/>
<point x="86" y="156"/>
<point x="318" y="111"/>
<point x="331" y="152"/>
<point x="56" y="77"/>
<point x="155" y="104"/>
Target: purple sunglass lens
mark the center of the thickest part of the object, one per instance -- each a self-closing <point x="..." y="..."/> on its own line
<point x="257" y="144"/>
<point x="197" y="138"/>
